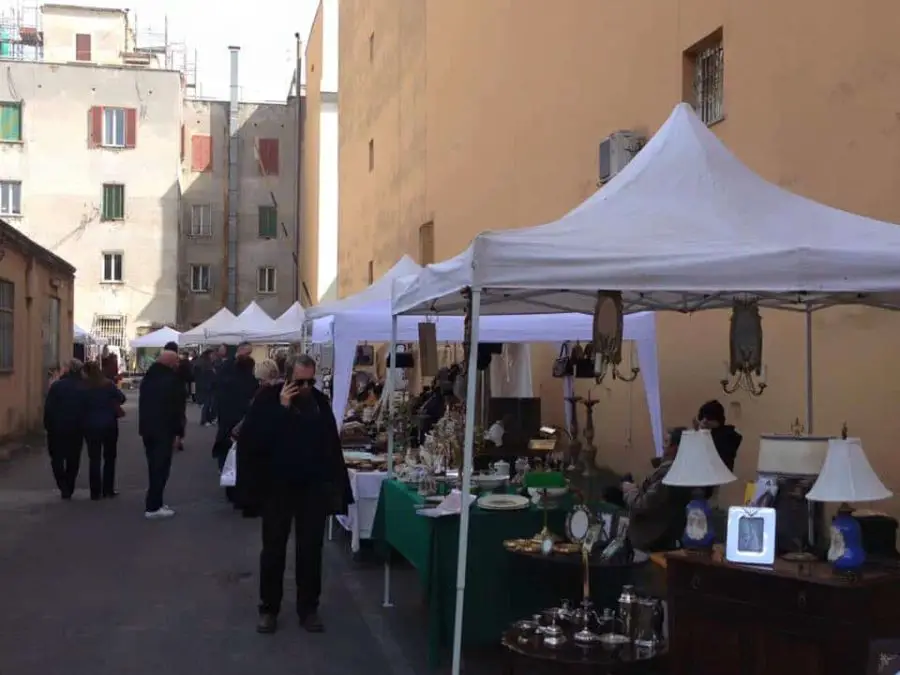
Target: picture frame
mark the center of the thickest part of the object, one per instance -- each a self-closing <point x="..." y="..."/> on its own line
<point x="606" y="520"/>
<point x="578" y="522"/>
<point x="751" y="535"/>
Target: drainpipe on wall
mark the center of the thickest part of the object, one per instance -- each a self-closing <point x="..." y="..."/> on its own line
<point x="233" y="184"/>
<point x="298" y="145"/>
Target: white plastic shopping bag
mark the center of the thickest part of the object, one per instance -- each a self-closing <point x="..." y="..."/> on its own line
<point x="229" y="470"/>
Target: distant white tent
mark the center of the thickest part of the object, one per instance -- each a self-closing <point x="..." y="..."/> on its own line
<point x="246" y="326"/>
<point x="158" y="338"/>
<point x="82" y="337"/>
<point x="288" y="327"/>
<point x="218" y="321"/>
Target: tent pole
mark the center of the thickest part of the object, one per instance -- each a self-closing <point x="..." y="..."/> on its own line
<point x="389" y="388"/>
<point x="468" y="444"/>
<point x="809" y="371"/>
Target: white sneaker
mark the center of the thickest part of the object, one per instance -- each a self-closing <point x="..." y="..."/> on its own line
<point x="162" y="512"/>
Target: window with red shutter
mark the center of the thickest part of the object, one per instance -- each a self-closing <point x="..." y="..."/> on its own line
<point x="130" y="127"/>
<point x="268" y="156"/>
<point x="95" y="127"/>
<point x="82" y="47"/>
<point x="201" y="153"/>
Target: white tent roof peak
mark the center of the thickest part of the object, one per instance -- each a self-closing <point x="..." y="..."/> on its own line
<point x="292" y="318"/>
<point x="685" y="225"/>
<point x="253" y="312"/>
<point x="379" y="292"/>
<point x="217" y="321"/>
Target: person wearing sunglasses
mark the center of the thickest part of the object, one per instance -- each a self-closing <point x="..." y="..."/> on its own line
<point x="297" y="478"/>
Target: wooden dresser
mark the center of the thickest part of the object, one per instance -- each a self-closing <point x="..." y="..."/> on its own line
<point x="727" y="619"/>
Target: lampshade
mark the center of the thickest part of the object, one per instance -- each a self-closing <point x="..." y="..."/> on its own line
<point x="847" y="475"/>
<point x="697" y="463"/>
<point x="792" y="455"/>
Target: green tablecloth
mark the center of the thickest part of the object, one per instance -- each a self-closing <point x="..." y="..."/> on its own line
<point x="498" y="590"/>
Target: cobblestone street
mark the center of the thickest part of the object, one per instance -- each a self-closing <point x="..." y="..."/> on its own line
<point x="92" y="588"/>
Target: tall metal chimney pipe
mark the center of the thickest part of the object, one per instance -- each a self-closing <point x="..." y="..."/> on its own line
<point x="234" y="183"/>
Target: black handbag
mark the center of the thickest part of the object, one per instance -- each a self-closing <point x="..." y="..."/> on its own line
<point x="562" y="367"/>
<point x="583" y="361"/>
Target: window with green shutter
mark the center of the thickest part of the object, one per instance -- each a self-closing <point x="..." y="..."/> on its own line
<point x="113" y="202"/>
<point x="268" y="222"/>
<point x="11" y="122"/>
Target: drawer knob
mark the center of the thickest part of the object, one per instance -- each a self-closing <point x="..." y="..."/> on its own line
<point x="801" y="600"/>
<point x="695" y="582"/>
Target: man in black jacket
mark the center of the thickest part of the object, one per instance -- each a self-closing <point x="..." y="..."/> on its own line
<point x="160" y="424"/>
<point x="295" y="471"/>
<point x="65" y="410"/>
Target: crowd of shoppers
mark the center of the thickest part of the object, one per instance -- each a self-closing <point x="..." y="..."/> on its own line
<point x="290" y="467"/>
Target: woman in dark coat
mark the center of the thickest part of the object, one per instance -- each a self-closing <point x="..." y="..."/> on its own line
<point x="101" y="430"/>
<point x="268" y="374"/>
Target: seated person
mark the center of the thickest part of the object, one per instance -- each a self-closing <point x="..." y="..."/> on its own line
<point x="726" y="438"/>
<point x="657" y="511"/>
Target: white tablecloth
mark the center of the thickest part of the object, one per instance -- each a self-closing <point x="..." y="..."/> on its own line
<point x="366" y="486"/>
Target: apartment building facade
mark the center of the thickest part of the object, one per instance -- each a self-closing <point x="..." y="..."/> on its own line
<point x="36" y="328"/>
<point x="457" y="117"/>
<point x="265" y="167"/>
<point x="89" y="168"/>
<point x="318" y="245"/>
<point x="107" y="162"/>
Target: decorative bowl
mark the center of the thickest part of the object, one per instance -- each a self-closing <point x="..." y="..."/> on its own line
<point x="488" y="481"/>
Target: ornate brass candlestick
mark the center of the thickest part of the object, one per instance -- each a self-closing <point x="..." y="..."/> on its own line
<point x="589" y="452"/>
<point x="575" y="442"/>
<point x="545" y="537"/>
<point x="585" y="613"/>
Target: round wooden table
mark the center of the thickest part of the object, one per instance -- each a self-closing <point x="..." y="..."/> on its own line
<point x="529" y="651"/>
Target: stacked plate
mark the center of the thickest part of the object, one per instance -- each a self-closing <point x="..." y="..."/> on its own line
<point x="503" y="502"/>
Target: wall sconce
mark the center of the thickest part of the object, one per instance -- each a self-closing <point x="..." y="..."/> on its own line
<point x="609" y="322"/>
<point x="744" y="370"/>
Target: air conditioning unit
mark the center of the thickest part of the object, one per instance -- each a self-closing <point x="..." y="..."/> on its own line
<point x="616" y="150"/>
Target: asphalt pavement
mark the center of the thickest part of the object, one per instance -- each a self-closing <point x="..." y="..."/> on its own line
<point x="92" y="588"/>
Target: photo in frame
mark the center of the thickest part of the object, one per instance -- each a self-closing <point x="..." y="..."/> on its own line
<point x="751" y="535"/>
<point x="606" y="522"/>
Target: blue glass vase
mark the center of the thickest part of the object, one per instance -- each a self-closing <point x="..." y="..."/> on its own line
<point x="846" y="552"/>
<point x="698" y="531"/>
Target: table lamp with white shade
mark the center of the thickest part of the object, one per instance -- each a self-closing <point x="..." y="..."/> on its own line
<point x="792" y="462"/>
<point x="847" y="477"/>
<point x="698" y="465"/>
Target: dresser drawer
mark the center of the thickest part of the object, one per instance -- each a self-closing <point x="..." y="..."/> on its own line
<point x="777" y="593"/>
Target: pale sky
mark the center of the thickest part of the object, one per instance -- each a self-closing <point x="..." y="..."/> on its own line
<point x="264" y="29"/>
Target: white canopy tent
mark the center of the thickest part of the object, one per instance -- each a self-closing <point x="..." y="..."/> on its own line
<point x="245" y="327"/>
<point x="366" y="316"/>
<point x="82" y="337"/>
<point x="685" y="226"/>
<point x="158" y="338"/>
<point x="217" y="322"/>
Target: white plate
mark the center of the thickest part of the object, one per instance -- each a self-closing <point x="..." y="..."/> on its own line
<point x="359" y="455"/>
<point x="503" y="502"/>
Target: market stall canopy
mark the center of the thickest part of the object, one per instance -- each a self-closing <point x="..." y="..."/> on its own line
<point x="158" y="338"/>
<point x="287" y="328"/>
<point x="218" y="321"/>
<point x="246" y="326"/>
<point x="375" y="297"/>
<point x="684" y="226"/>
<point x="82" y="337"/>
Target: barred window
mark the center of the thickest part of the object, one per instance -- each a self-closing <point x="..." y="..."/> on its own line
<point x="709" y="85"/>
